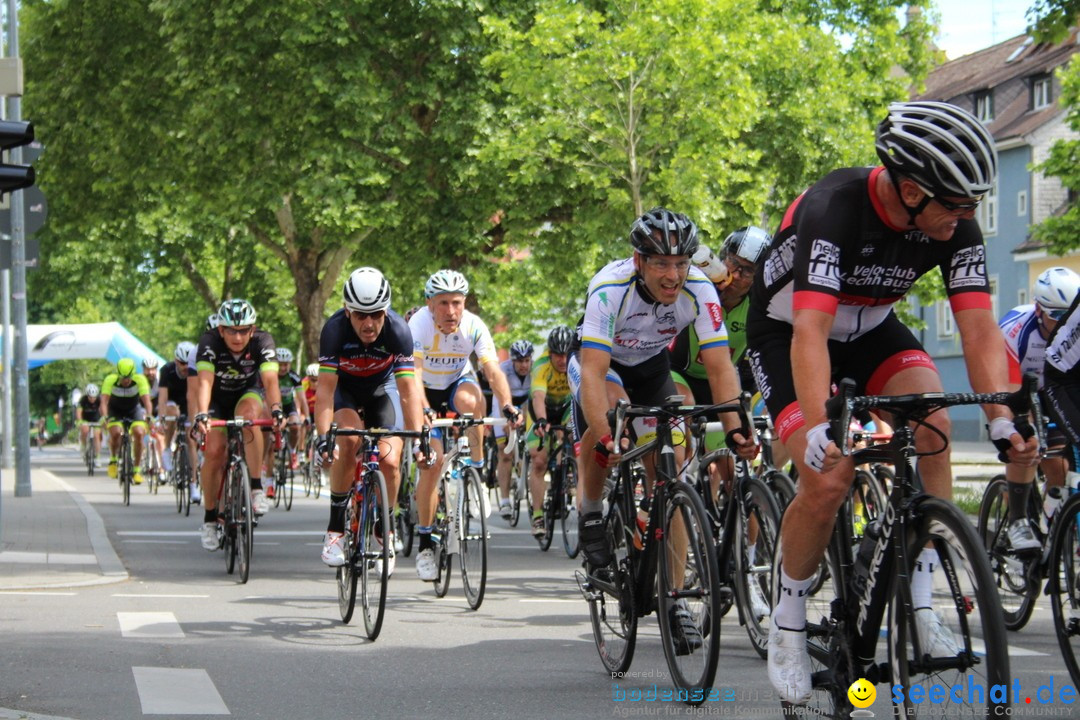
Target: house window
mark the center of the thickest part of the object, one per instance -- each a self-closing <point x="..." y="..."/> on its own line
<point x="1021" y="203"/>
<point x="945" y="327"/>
<point x="1041" y="92"/>
<point x="984" y="106"/>
<point x="1022" y="296"/>
<point x="988" y="212"/>
<point x="994" y="296"/>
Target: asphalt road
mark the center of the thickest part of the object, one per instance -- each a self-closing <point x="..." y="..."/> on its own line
<point x="181" y="637"/>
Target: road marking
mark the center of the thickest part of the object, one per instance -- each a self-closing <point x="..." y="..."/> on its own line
<point x="41" y="558"/>
<point x="550" y="600"/>
<point x="198" y="533"/>
<point x="150" y="595"/>
<point x="149" y="625"/>
<point x="159" y="542"/>
<point x="36" y="592"/>
<point x="172" y="691"/>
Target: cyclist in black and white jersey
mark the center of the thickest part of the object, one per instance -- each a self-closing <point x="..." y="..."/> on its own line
<point x="237" y="377"/>
<point x="173" y="402"/>
<point x="846" y="251"/>
<point x="518" y="372"/>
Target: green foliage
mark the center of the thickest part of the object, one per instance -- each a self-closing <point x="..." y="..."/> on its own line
<point x="1061" y="232"/>
<point x="1050" y="20"/>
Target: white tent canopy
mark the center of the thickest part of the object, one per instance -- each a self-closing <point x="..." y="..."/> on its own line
<point x="108" y="341"/>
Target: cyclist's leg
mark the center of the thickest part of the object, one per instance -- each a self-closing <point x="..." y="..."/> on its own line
<point x="252" y="407"/>
<point x="466" y="398"/>
<point x="212" y="467"/>
<point x="503" y="468"/>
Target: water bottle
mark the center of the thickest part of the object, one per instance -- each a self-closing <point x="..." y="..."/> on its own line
<point x="1072" y="481"/>
<point x="712" y="266"/>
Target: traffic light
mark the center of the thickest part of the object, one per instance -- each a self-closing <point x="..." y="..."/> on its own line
<point x="15" y="134"/>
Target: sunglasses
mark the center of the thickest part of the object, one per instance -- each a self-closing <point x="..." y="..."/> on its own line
<point x="664" y="265"/>
<point x="238" y="330"/>
<point x="362" y="315"/>
<point x="954" y="207"/>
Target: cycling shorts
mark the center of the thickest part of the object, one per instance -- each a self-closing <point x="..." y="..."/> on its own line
<point x="373" y="405"/>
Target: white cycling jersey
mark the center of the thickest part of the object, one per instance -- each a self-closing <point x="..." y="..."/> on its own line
<point x="633" y="328"/>
<point x="1024" y="342"/>
<point x="444" y="358"/>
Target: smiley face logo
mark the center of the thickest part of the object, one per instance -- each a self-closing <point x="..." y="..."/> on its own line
<point x="862" y="693"/>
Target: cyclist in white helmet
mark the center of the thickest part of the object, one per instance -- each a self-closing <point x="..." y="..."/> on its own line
<point x="173" y="402"/>
<point x="1027" y="330"/>
<point x="444" y="335"/>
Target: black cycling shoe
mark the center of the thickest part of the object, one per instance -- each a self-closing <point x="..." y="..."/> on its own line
<point x="594" y="540"/>
<point x="684" y="630"/>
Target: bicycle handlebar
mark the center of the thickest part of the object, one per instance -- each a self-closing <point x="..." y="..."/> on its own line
<point x="618" y="415"/>
<point x="424" y="434"/>
<point x="467" y="421"/>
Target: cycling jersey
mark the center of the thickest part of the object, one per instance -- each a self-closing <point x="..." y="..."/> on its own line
<point x="621" y="319"/>
<point x="174" y="385"/>
<point x="836" y="252"/>
<point x="550" y="381"/>
<point x="519" y="386"/>
<point x="288" y="383"/>
<point x="1062" y="374"/>
<point x="309" y="394"/>
<point x="444" y="358"/>
<point x="123" y="401"/>
<point x="233" y="374"/>
<point x="359" y="366"/>
<point x="91" y="409"/>
<point x="1024" y="343"/>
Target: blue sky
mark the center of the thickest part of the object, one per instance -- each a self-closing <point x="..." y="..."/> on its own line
<point x="970" y="25"/>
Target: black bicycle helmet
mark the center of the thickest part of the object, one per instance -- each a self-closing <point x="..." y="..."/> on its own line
<point x="560" y="340"/>
<point x="662" y="232"/>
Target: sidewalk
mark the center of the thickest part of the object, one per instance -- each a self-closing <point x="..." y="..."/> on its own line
<point x="52" y="539"/>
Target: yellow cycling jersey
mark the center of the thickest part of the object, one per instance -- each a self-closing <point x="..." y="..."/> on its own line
<point x="549" y="380"/>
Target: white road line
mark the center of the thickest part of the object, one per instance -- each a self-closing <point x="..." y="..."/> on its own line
<point x="550" y="600"/>
<point x="35" y="592"/>
<point x="150" y="595"/>
<point x="197" y="533"/>
<point x="143" y="541"/>
<point x="171" y="691"/>
<point x="149" y="625"/>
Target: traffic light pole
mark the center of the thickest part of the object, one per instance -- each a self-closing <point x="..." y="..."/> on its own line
<point x="20" y="376"/>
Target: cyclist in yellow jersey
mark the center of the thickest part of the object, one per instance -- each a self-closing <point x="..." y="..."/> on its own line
<point x="125" y="395"/>
<point x="550" y="403"/>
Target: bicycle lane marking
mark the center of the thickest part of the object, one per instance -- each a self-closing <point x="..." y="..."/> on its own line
<point x="175" y="691"/>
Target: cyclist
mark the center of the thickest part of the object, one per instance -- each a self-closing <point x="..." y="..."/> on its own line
<point x="821" y="309"/>
<point x="293" y="403"/>
<point x="444" y="335"/>
<point x="517" y="371"/>
<point x="237" y="377"/>
<point x="88" y="415"/>
<point x="173" y="402"/>
<point x="361" y="348"/>
<point x="550" y="402"/>
<point x="1027" y="329"/>
<point x="125" y="395"/>
<point x="634" y="308"/>
<point x="153" y="436"/>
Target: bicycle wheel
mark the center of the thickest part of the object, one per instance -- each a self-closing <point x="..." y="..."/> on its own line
<point x="376" y="552"/>
<point x="549" y="506"/>
<point x="688" y="593"/>
<point x="1017" y="578"/>
<point x="244" y="515"/>
<point x="568" y="512"/>
<point x="289" y="488"/>
<point x="308" y="468"/>
<point x="349" y="573"/>
<point x="125" y="468"/>
<point x="755" y="543"/>
<point x="826" y="642"/>
<point x="443" y="528"/>
<point x="183" y="482"/>
<point x="472" y="538"/>
<point x="1064" y="583"/>
<point x="970" y="648"/>
<point x="610" y="594"/>
<point x="867" y="504"/>
<point x="782" y="487"/>
<point x="228" y="510"/>
<point x="281" y="465"/>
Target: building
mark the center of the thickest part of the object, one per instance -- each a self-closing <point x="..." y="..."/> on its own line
<point x="1012" y="88"/>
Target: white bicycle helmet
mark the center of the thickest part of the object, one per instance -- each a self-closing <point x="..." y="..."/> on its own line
<point x="1056" y="288"/>
<point x="212" y="321"/>
<point x="149" y="363"/>
<point x="749" y="243"/>
<point x="446" y="281"/>
<point x="183" y="349"/>
<point x="312" y="370"/>
<point x="236" y="313"/>
<point x="367" y="291"/>
<point x="92" y="390"/>
<point x="284" y="355"/>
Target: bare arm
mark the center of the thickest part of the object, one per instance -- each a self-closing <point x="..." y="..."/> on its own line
<point x="324" y="402"/>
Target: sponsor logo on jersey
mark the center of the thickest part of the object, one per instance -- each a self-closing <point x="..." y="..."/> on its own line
<point x="778" y="263"/>
<point x="868" y="250"/>
<point x="900" y="278"/>
<point x="968" y="268"/>
<point x="716" y="314"/>
<point x="668" y="331"/>
<point x="824" y="269"/>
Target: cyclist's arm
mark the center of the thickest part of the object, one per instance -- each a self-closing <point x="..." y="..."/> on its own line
<point x="499" y="386"/>
<point x="301" y="402"/>
<point x="810" y="365"/>
<point x="78" y="413"/>
<point x="594" y="397"/>
<point x="104" y="405"/>
<point x="163" y="397"/>
<point x="539" y="404"/>
<point x="272" y="388"/>
<point x="724" y="383"/>
<point x="412" y="401"/>
<point x="324" y="401"/>
<point x="204" y="386"/>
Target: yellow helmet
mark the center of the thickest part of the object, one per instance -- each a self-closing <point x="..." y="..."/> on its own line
<point x="125" y="368"/>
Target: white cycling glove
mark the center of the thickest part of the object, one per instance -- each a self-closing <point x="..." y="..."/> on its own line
<point x="817" y="440"/>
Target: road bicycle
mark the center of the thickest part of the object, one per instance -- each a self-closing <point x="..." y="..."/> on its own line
<point x="779" y="482"/>
<point x="405" y="515"/>
<point x="670" y="567"/>
<point x="1063" y="571"/>
<point x="367" y="522"/>
<point x="181" y="477"/>
<point x="869" y="581"/>
<point x="284" y="475"/>
<point x="745" y="523"/>
<point x="234" y="496"/>
<point x="560" y="499"/>
<point x="461" y="512"/>
<point x="90" y="446"/>
<point x="126" y="468"/>
<point x="151" y="465"/>
<point x="519" y="484"/>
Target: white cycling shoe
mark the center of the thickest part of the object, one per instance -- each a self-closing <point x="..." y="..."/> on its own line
<point x="789" y="665"/>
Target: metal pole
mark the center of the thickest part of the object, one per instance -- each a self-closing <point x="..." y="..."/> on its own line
<point x="18" y="290"/>
<point x="5" y="326"/>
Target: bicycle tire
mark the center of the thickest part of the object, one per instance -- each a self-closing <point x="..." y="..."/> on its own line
<point x="756" y="536"/>
<point x="549" y="507"/>
<point x="183" y="481"/>
<point x="690" y="584"/>
<point x="969" y="608"/>
<point x="229" y="512"/>
<point x="403" y="518"/>
<point x="781" y="486"/>
<point x="1064" y="585"/>
<point x="280" y="465"/>
<point x="515" y="501"/>
<point x="826" y="643"/>
<point x="613" y="609"/>
<point x="472" y="538"/>
<point x="568" y="510"/>
<point x="1017" y="579"/>
<point x="244" y="520"/>
<point x="307" y="476"/>
<point x="375" y="559"/>
<point x="125" y="468"/>
<point x="347" y="575"/>
<point x="289" y="489"/>
<point x="442" y="554"/>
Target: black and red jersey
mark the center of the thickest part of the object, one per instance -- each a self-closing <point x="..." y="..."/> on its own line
<point x="363" y="367"/>
<point x="836" y="252"/>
